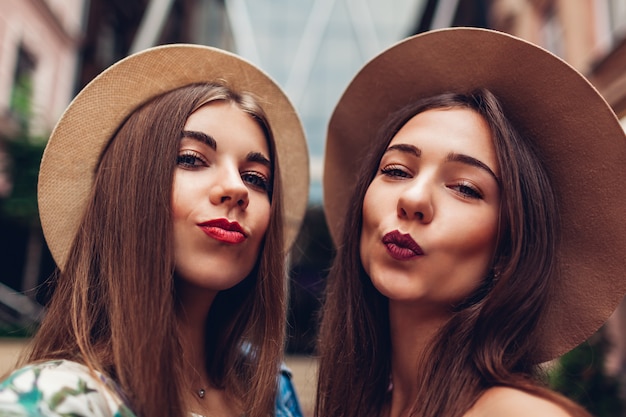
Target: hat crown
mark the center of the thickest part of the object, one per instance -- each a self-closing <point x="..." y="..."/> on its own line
<point x="95" y="114"/>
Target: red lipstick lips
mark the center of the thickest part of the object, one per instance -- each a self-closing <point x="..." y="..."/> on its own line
<point x="401" y="246"/>
<point x="224" y="231"/>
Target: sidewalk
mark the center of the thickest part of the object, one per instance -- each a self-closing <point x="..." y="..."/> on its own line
<point x="304" y="371"/>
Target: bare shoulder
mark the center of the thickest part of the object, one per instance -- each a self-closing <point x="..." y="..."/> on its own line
<point x="511" y="402"/>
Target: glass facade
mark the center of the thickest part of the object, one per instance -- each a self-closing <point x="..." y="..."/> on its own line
<point x="312" y="48"/>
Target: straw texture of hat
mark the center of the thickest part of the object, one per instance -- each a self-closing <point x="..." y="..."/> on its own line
<point x="90" y="121"/>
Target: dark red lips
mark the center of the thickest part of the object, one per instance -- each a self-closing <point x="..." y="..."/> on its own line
<point x="224" y="231"/>
<point x="401" y="246"/>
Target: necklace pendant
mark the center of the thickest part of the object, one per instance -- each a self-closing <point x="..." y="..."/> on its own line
<point x="201" y="392"/>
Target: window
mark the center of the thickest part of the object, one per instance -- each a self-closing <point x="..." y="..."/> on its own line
<point x="22" y="94"/>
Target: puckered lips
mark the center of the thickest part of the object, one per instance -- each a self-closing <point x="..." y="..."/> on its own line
<point x="401" y="246"/>
<point x="224" y="231"/>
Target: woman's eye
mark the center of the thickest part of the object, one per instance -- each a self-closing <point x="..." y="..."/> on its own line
<point x="395" y="171"/>
<point x="467" y="191"/>
<point x="190" y="160"/>
<point x="256" y="180"/>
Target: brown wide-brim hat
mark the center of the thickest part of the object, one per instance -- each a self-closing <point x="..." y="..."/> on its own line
<point x="92" y="118"/>
<point x="574" y="130"/>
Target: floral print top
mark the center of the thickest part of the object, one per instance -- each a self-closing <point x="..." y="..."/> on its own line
<point x="60" y="389"/>
<point x="64" y="388"/>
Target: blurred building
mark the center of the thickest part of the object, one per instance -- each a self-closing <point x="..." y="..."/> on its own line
<point x="39" y="40"/>
<point x="588" y="34"/>
<point x="39" y="43"/>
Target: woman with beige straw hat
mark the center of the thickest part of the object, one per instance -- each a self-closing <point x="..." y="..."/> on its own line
<point x="474" y="189"/>
<point x="164" y="199"/>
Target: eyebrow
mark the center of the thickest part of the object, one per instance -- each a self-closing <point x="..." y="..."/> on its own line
<point x="202" y="137"/>
<point x="413" y="150"/>
<point x="452" y="157"/>
<point x="260" y="158"/>
<point x="212" y="143"/>
<point x="469" y="160"/>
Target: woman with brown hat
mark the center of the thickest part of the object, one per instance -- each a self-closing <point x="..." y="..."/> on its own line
<point x="161" y="196"/>
<point x="473" y="187"/>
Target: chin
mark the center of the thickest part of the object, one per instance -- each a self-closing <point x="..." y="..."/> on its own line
<point x="212" y="281"/>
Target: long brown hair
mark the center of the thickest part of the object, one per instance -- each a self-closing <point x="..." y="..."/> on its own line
<point x="477" y="348"/>
<point x="114" y="305"/>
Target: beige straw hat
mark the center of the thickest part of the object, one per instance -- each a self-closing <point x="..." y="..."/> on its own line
<point x="70" y="158"/>
<point x="574" y="130"/>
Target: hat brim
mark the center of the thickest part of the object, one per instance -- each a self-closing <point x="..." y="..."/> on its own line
<point x="90" y="121"/>
<point x="574" y="130"/>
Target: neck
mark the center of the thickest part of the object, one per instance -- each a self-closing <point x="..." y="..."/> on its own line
<point x="412" y="330"/>
<point x="193" y="310"/>
<point x="192" y="316"/>
<point x="193" y="344"/>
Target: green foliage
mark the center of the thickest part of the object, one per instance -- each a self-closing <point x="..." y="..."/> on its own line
<point x="21" y="205"/>
<point x="21" y="100"/>
<point x="14" y="331"/>
<point x="580" y="376"/>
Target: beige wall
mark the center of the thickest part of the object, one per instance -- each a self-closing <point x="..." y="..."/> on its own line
<point x="578" y="31"/>
<point x="50" y="34"/>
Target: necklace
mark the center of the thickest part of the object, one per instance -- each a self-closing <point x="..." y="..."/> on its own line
<point x="199" y="392"/>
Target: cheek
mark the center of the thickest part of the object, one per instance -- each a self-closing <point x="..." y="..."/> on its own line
<point x="366" y="217"/>
<point x="262" y="215"/>
<point x="182" y="193"/>
<point x="177" y="202"/>
<point x="264" y="222"/>
<point x="370" y="213"/>
<point x="479" y="241"/>
<point x="370" y="219"/>
<point x="487" y="232"/>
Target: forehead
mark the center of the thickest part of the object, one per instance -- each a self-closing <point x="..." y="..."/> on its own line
<point x="228" y="124"/>
<point x="456" y="129"/>
<point x="449" y="122"/>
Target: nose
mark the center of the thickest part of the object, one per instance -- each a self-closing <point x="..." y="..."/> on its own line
<point x="229" y="189"/>
<point x="415" y="202"/>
